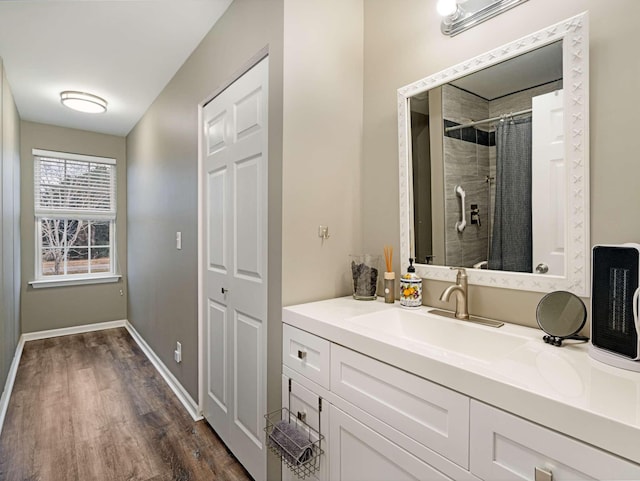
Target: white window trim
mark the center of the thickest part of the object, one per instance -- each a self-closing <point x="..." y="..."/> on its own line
<point x="74" y="279"/>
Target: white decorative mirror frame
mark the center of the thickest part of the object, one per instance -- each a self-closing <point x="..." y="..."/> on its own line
<point x="574" y="33"/>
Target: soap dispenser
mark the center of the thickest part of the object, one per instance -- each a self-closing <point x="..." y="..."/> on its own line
<point x="411" y="288"/>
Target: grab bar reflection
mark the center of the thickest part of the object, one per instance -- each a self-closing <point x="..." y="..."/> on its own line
<point x="461" y="224"/>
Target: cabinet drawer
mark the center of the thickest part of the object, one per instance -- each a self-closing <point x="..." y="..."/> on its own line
<point x="506" y="447"/>
<point x="358" y="453"/>
<point x="432" y="415"/>
<point x="306" y="354"/>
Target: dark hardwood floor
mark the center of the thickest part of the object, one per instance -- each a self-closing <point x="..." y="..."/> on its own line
<point x="92" y="407"/>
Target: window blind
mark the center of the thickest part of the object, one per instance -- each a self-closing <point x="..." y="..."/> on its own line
<point x="74" y="186"/>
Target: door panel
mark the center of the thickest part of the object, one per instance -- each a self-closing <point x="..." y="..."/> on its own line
<point x="216" y="140"/>
<point x="248" y="114"/>
<point x="216" y="350"/>
<point x="248" y="260"/>
<point x="217" y="220"/>
<point x="247" y="376"/>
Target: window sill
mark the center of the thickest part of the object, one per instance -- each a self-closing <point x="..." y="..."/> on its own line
<point x="79" y="281"/>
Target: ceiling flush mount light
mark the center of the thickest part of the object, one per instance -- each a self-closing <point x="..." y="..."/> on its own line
<point x="83" y="102"/>
<point x="460" y="15"/>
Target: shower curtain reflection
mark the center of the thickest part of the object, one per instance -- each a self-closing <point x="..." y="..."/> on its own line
<point x="511" y="244"/>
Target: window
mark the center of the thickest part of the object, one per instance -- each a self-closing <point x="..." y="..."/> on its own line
<point x="75" y="213"/>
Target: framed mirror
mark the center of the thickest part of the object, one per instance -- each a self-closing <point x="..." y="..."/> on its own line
<point x="494" y="165"/>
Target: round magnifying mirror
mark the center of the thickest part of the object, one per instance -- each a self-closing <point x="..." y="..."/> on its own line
<point x="561" y="314"/>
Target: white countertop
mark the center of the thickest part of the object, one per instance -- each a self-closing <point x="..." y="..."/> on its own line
<point x="561" y="388"/>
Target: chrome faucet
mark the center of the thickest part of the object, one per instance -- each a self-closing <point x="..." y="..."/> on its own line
<point x="460" y="290"/>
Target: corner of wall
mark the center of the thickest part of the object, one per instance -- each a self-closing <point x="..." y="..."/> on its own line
<point x="9" y="225"/>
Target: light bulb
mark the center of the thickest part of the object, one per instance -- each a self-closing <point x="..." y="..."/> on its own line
<point x="446" y="8"/>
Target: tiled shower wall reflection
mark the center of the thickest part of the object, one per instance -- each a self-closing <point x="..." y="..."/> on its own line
<point x="466" y="163"/>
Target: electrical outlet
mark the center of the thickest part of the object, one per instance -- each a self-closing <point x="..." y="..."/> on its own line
<point x="179" y="240"/>
<point x="177" y="354"/>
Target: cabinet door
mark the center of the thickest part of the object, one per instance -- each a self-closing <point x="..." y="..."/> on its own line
<point x="505" y="447"/>
<point x="358" y="453"/>
<point x="305" y="404"/>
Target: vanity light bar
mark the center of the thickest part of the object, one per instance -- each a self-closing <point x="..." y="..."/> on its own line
<point x="464" y="17"/>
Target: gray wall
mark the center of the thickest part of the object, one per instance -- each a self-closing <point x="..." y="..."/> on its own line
<point x="403" y="43"/>
<point x="315" y="154"/>
<point x="9" y="227"/>
<point x="57" y="307"/>
<point x="162" y="153"/>
<point x="322" y="147"/>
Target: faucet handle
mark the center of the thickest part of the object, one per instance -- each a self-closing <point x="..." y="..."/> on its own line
<point x="462" y="273"/>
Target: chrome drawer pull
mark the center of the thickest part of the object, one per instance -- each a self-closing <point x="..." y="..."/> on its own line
<point x="302" y="354"/>
<point x="302" y="416"/>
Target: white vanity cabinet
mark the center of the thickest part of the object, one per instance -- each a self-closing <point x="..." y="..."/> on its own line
<point x="505" y="447"/>
<point x="381" y="422"/>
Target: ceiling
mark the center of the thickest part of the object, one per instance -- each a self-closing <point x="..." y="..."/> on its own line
<point x="523" y="72"/>
<point x="124" y="51"/>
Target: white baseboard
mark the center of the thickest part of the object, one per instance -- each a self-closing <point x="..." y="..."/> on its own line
<point x="8" y="386"/>
<point x="66" y="331"/>
<point x="185" y="398"/>
<point x="187" y="401"/>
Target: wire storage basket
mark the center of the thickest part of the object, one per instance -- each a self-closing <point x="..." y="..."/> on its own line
<point x="294" y="441"/>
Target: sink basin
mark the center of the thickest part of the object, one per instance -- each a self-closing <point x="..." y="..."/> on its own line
<point x="432" y="331"/>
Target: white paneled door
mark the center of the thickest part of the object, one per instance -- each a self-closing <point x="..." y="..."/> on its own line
<point x="548" y="184"/>
<point x="234" y="281"/>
